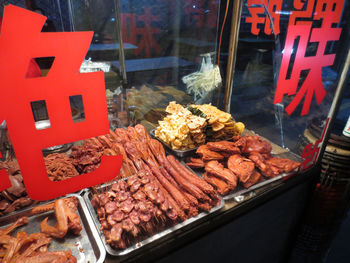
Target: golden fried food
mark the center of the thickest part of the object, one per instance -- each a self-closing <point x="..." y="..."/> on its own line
<point x="181" y="129"/>
<point x="186" y="128"/>
<point x="223" y="125"/>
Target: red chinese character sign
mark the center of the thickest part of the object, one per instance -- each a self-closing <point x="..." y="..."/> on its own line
<point x="303" y="31"/>
<point x="264" y="12"/>
<point x="267" y="13"/>
<point x="311" y="151"/>
<point x="21" y="40"/>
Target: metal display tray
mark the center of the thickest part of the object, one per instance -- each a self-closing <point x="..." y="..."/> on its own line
<point x="240" y="190"/>
<point x="148" y="241"/>
<point x="86" y="247"/>
<point x="178" y="153"/>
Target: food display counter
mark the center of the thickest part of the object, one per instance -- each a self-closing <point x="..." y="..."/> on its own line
<point x="202" y="157"/>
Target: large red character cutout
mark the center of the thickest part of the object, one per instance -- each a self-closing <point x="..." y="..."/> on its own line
<point x="20" y="41"/>
<point x="329" y="11"/>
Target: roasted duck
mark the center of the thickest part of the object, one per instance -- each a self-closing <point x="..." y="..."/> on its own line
<point x="15" y="197"/>
<point x="66" y="217"/>
<point x="245" y="158"/>
<point x="208" y="155"/>
<point x="29" y="248"/>
<point x="240" y="166"/>
<point x="249" y="144"/>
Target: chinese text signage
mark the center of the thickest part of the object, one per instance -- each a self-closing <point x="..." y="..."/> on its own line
<point x="21" y="40"/>
<point x="309" y="21"/>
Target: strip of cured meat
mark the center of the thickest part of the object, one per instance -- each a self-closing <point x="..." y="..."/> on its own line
<point x="175" y="193"/>
<point x="194" y="179"/>
<point x="223" y="146"/>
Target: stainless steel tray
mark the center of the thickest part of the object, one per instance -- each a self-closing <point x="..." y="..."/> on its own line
<point x="178" y="153"/>
<point x="240" y="190"/>
<point x="150" y="240"/>
<point x="87" y="247"/>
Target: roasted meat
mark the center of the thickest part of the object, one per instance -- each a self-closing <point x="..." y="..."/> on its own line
<point x="240" y="166"/>
<point x="217" y="169"/>
<point x="59" y="167"/>
<point x="196" y="163"/>
<point x="283" y="165"/>
<point x="208" y="155"/>
<point x="29" y="248"/>
<point x="159" y="191"/>
<point x="222" y="187"/>
<point x="223" y="146"/>
<point x="253" y="179"/>
<point x="260" y="162"/>
<point x="66" y="218"/>
<point x="16" y="196"/>
<point x="249" y="144"/>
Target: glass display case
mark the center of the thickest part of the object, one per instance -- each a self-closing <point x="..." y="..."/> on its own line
<point x="220" y="109"/>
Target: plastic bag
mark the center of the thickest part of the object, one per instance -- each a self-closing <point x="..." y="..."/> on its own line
<point x="204" y="81"/>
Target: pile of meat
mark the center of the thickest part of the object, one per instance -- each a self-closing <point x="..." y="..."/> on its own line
<point x="243" y="160"/>
<point x="16" y="196"/>
<point x="59" y="167"/>
<point x="29" y="248"/>
<point x="87" y="157"/>
<point x="158" y="192"/>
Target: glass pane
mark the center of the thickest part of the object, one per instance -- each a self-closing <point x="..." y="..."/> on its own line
<point x="284" y="84"/>
<point x="168" y="40"/>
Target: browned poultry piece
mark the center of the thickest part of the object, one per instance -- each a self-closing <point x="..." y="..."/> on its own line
<point x="249" y="144"/>
<point x="283" y="165"/>
<point x="29" y="248"/>
<point x="19" y="222"/>
<point x="223" y="146"/>
<point x="196" y="163"/>
<point x="253" y="179"/>
<point x="221" y="186"/>
<point x="240" y="166"/>
<point x="260" y="162"/>
<point x="67" y="219"/>
<point x="217" y="169"/>
<point x="208" y="155"/>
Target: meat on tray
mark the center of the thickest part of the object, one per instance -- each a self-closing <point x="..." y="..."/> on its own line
<point x="27" y="248"/>
<point x="59" y="167"/>
<point x="161" y="192"/>
<point x="16" y="196"/>
<point x="66" y="216"/>
<point x="247" y="158"/>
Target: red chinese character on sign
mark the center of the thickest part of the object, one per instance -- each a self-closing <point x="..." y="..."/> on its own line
<point x="147" y="43"/>
<point x="311" y="151"/>
<point x="21" y="40"/>
<point x="264" y="12"/>
<point x="313" y="81"/>
<point x="307" y="13"/>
